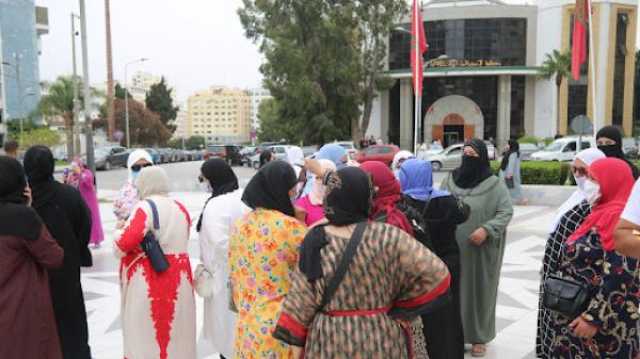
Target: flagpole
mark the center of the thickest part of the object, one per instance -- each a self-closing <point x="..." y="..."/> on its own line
<point x="592" y="67"/>
<point x="415" y="80"/>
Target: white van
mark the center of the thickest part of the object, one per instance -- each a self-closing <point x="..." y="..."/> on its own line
<point x="563" y="149"/>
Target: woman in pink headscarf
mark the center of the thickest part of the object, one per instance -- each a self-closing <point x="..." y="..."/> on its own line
<point x="82" y="179"/>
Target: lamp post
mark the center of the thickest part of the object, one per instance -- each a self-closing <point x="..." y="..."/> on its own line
<point x="75" y="129"/>
<point x="126" y="98"/>
<point x="87" y="92"/>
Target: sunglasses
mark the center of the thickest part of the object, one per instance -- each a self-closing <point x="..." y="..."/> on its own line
<point x="137" y="168"/>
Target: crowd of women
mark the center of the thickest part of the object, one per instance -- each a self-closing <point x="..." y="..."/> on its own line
<point x="322" y="258"/>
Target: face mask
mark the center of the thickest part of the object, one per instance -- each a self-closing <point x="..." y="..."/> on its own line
<point x="580" y="181"/>
<point x="610" y="150"/>
<point x="591" y="191"/>
<point x="134" y="176"/>
<point x="205" y="186"/>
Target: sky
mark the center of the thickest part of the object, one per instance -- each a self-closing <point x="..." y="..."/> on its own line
<point x="195" y="44"/>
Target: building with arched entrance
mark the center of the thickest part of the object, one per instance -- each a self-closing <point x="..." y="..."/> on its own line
<point x="481" y="74"/>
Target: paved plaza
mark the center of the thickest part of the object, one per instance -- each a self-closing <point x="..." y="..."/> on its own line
<point x="517" y="302"/>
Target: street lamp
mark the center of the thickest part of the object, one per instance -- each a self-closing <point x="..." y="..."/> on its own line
<point x="126" y="97"/>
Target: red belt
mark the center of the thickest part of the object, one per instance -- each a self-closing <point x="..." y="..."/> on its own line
<point x="357" y="313"/>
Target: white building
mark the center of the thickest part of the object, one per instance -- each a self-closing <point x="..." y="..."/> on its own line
<point x="181" y="123"/>
<point x="257" y="96"/>
<point x="141" y="83"/>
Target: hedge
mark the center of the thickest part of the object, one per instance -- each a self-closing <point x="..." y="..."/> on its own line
<point x="539" y="172"/>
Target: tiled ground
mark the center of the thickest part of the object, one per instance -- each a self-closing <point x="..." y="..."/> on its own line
<point x="517" y="301"/>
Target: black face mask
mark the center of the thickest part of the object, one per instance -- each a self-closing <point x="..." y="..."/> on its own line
<point x="611" y="150"/>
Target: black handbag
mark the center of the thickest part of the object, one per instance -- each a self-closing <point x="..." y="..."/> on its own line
<point x="565" y="296"/>
<point x="151" y="246"/>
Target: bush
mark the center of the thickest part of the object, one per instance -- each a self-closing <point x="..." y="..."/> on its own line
<point x="541" y="173"/>
<point x="529" y="139"/>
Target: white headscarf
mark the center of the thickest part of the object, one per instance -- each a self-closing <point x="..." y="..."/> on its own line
<point x="587" y="156"/>
<point x="152" y="181"/>
<point x="398" y="158"/>
<point x="136" y="156"/>
<point x="295" y="157"/>
<point x="316" y="196"/>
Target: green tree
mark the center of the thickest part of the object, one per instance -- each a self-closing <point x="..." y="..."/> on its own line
<point x="146" y="128"/>
<point x="120" y="92"/>
<point x="159" y="100"/>
<point x="272" y="128"/>
<point x="557" y="65"/>
<point x="195" y="143"/>
<point x="39" y="136"/>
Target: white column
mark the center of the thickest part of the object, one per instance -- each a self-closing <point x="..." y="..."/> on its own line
<point x="384" y="116"/>
<point x="504" y="111"/>
<point x="602" y="61"/>
<point x="406" y="114"/>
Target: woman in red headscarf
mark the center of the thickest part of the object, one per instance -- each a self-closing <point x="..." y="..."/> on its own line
<point x="607" y="328"/>
<point x="387" y="196"/>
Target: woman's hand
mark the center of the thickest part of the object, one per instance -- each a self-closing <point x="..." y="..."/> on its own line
<point x="28" y="195"/>
<point x="583" y="329"/>
<point x="478" y="237"/>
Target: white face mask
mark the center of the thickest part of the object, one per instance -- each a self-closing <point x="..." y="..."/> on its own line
<point x="580" y="181"/>
<point x="205" y="186"/>
<point x="591" y="191"/>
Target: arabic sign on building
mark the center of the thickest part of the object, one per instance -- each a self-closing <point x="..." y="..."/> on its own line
<point x="461" y="63"/>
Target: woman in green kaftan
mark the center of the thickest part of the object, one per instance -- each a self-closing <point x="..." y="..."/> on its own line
<point x="482" y="240"/>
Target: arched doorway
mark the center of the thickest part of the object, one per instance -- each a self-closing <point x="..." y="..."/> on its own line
<point x="453" y="119"/>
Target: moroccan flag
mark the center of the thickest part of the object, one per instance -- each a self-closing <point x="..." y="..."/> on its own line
<point x="418" y="47"/>
<point x="580" y="26"/>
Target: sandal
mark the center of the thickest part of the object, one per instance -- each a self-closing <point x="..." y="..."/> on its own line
<point x="478" y="350"/>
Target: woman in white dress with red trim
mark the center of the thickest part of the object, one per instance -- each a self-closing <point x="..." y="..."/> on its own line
<point x="158" y="309"/>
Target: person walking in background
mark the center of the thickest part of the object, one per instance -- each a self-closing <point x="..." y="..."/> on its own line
<point x="607" y="326"/>
<point x="266" y="156"/>
<point x="128" y="197"/>
<point x="312" y="204"/>
<point x="68" y="219"/>
<point x="263" y="251"/>
<point x="609" y="141"/>
<point x="569" y="217"/>
<point x="223" y="208"/>
<point x="27" y="322"/>
<point x="81" y="178"/>
<point x="442" y="214"/>
<point x="364" y="315"/>
<point x="482" y="240"/>
<point x="510" y="172"/>
<point x="158" y="309"/>
<point x="11" y="148"/>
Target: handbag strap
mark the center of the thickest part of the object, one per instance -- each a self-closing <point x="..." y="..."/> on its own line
<point x="343" y="266"/>
<point x="156" y="217"/>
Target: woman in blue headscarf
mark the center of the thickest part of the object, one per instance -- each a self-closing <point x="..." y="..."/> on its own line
<point x="332" y="152"/>
<point x="441" y="213"/>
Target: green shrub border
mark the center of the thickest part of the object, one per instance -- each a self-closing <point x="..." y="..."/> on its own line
<point x="541" y="173"/>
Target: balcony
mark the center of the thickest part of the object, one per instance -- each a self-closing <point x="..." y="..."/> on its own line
<point x="42" y="20"/>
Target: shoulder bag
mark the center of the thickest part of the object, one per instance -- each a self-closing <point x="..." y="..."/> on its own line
<point x="151" y="246"/>
<point x="565" y="296"/>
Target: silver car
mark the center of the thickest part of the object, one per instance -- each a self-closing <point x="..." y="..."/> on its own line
<point x="448" y="159"/>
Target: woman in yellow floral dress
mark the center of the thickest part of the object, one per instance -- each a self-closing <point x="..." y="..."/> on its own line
<point x="263" y="251"/>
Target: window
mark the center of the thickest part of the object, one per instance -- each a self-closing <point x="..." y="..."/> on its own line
<point x="455" y="151"/>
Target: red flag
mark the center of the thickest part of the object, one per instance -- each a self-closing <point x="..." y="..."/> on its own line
<point x="579" y="46"/>
<point x="418" y="47"/>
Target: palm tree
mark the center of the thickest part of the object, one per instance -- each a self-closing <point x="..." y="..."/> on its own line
<point x="557" y="65"/>
<point x="59" y="102"/>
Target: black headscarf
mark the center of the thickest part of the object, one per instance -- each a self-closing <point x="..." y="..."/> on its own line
<point x="615" y="150"/>
<point x="16" y="219"/>
<point x="270" y="187"/>
<point x="221" y="178"/>
<point x="474" y="170"/>
<point x="514" y="147"/>
<point x="39" y="166"/>
<point x="265" y="157"/>
<point x="347" y="201"/>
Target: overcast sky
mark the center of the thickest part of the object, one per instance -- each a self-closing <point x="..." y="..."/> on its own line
<point x="193" y="43"/>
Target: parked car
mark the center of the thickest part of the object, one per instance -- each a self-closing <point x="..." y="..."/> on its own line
<point x="230" y="153"/>
<point x="426" y="154"/>
<point x="279" y="151"/>
<point x="562" y="149"/>
<point x="382" y="153"/>
<point x="526" y="150"/>
<point x="155" y="155"/>
<point x="309" y="151"/>
<point x="246" y="154"/>
<point x="111" y="157"/>
<point x="449" y="158"/>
